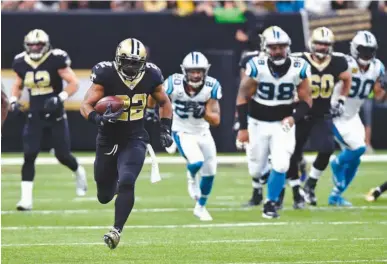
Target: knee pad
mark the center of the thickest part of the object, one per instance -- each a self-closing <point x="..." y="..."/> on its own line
<point x="280" y="165"/>
<point x="126" y="181"/>
<point x="104" y="199"/>
<point x="322" y="161"/>
<point x="30" y="157"/>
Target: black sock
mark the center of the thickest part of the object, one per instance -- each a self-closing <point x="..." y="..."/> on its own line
<point x="28" y="168"/>
<point x="123" y="205"/>
<point x="383" y="187"/>
<point x="311" y="183"/>
<point x="68" y="160"/>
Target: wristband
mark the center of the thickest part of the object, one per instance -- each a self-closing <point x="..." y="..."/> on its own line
<point x="94" y="118"/>
<point x="301" y="110"/>
<point x="63" y="96"/>
<point x="166" y="122"/>
<point x="242" y="116"/>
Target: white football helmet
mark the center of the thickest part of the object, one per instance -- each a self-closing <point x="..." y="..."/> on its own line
<point x="36" y="44"/>
<point x="321" y="36"/>
<point x="275" y="36"/>
<point x="363" y="47"/>
<point x="195" y="67"/>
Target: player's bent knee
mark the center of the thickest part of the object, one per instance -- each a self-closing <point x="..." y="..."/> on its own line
<point x="281" y="166"/>
<point x="104" y="199"/>
<point x="195" y="167"/>
<point x="30" y="157"/>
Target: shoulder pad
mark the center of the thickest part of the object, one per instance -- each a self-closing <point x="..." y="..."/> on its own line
<point x="338" y="54"/>
<point x="250" y="53"/>
<point x="59" y="52"/>
<point x="296" y="54"/>
<point x="150" y="65"/>
<point x="20" y="55"/>
<point x="99" y="72"/>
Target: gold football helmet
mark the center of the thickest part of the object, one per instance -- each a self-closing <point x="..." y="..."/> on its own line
<point x="321" y="42"/>
<point x="36" y="44"/>
<point x="131" y="58"/>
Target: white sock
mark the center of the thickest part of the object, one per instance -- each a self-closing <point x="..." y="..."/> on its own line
<point x="80" y="171"/>
<point x="26" y="191"/>
<point x="315" y="173"/>
<point x="293" y="183"/>
<point x="256" y="185"/>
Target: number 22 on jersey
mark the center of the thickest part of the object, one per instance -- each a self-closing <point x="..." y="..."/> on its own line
<point x="133" y="107"/>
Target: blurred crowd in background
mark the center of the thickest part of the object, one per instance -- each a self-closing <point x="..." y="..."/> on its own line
<point x="186" y="7"/>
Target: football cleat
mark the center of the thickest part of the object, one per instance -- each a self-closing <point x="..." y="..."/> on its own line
<point x="298" y="198"/>
<point x="256" y="198"/>
<point x="202" y="213"/>
<point x="81" y="181"/>
<point x="112" y="238"/>
<point x="310" y="196"/>
<point x="24" y="206"/>
<point x="372" y="195"/>
<point x="193" y="189"/>
<point x="269" y="210"/>
<point x="336" y="200"/>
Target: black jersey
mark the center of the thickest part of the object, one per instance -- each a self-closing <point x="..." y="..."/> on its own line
<point x="323" y="80"/>
<point x="41" y="77"/>
<point x="134" y="94"/>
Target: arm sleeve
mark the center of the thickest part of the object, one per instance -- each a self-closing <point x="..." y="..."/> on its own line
<point x="216" y="92"/>
<point x="251" y="69"/>
<point x="62" y="59"/>
<point x="97" y="75"/>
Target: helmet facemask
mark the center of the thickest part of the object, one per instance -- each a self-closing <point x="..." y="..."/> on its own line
<point x="278" y="53"/>
<point x="321" y="49"/>
<point x="194" y="77"/>
<point x="365" y="54"/>
<point x="36" y="50"/>
<point x="130" y="67"/>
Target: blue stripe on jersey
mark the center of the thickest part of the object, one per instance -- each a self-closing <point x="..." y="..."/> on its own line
<point x="254" y="70"/>
<point x="214" y="91"/>
<point x="303" y="71"/>
<point x="337" y="135"/>
<point x="382" y="70"/>
<point x="170" y="85"/>
<point x="178" y="144"/>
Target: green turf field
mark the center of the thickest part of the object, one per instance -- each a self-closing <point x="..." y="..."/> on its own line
<point x="162" y="229"/>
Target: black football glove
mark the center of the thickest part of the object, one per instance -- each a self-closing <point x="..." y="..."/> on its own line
<point x="107" y="117"/>
<point x="199" y="110"/>
<point x="165" y="132"/>
<point x="151" y="115"/>
<point x="338" y="108"/>
<point x="53" y="103"/>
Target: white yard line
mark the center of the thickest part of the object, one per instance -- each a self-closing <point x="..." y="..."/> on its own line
<point x="318" y="261"/>
<point x="193" y="226"/>
<point x="175" y="160"/>
<point x="224" y="241"/>
<point x="169" y="210"/>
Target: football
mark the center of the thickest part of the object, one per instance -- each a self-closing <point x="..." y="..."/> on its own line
<point x="116" y="103"/>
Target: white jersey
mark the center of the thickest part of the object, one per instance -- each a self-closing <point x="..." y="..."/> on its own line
<point x="362" y="84"/>
<point x="184" y="119"/>
<point x="275" y="92"/>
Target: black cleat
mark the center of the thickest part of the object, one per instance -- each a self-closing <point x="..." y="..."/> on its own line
<point x="256" y="198"/>
<point x="112" y="238"/>
<point x="269" y="210"/>
<point x="310" y="196"/>
<point x="298" y="198"/>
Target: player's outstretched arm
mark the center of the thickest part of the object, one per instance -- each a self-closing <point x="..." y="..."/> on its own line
<point x="93" y="95"/>
<point x="212" y="112"/>
<point x="162" y="99"/>
<point x="72" y="87"/>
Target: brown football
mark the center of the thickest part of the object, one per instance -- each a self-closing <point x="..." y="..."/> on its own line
<point x="116" y="103"/>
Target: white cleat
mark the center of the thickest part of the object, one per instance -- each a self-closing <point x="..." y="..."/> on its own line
<point x="202" y="213"/>
<point x="81" y="181"/>
<point x="193" y="189"/>
<point x="24" y="206"/>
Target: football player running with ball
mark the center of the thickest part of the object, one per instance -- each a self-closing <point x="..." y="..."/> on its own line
<point x="271" y="82"/>
<point x="122" y="140"/>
